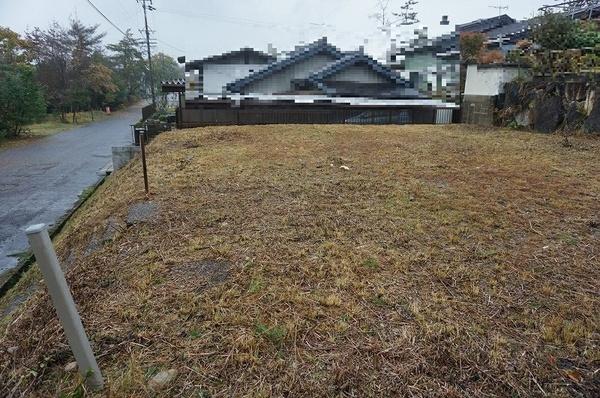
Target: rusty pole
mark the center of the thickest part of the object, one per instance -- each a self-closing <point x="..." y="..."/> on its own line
<point x="143" y="147"/>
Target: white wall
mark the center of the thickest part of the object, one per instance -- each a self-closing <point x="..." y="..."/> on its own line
<point x="489" y="81"/>
<point x="217" y="76"/>
<point x="360" y="74"/>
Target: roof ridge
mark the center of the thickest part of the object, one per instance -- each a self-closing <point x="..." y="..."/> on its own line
<point x="295" y="56"/>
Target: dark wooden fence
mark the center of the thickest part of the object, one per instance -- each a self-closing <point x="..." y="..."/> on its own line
<point x="219" y="113"/>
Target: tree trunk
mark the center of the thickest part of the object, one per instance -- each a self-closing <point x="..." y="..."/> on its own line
<point x="92" y="113"/>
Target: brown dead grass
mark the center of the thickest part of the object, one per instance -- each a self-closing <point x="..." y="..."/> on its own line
<point x="445" y="262"/>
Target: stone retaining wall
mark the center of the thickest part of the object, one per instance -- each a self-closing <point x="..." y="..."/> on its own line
<point x="546" y="105"/>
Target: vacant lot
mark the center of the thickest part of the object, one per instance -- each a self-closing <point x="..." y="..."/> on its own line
<point x="332" y="261"/>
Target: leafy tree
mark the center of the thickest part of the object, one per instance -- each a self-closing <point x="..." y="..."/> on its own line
<point x="164" y="68"/>
<point x="555" y="31"/>
<point x="129" y="66"/>
<point x="13" y="48"/>
<point x="51" y="52"/>
<point x="587" y="35"/>
<point x="68" y="67"/>
<point x="83" y="42"/>
<point x="21" y="100"/>
<point x="472" y="46"/>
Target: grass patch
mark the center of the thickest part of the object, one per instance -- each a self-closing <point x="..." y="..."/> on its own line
<point x="52" y="125"/>
<point x="274" y="334"/>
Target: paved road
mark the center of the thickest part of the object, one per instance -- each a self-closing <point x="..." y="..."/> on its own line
<point x="41" y="181"/>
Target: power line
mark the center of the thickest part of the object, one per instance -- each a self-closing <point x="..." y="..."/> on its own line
<point x="170" y="45"/>
<point x="245" y="21"/>
<point x="105" y="17"/>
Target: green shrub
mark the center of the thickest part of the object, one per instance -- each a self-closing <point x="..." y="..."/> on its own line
<point x="21" y="100"/>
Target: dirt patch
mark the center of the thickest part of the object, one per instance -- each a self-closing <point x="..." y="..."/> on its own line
<point x="201" y="274"/>
<point x="142" y="212"/>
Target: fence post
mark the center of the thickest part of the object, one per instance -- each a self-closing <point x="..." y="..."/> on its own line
<point x="144" y="169"/>
<point x="63" y="303"/>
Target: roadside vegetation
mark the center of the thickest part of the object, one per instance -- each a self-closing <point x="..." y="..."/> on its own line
<point x="330" y="261"/>
<point x="66" y="72"/>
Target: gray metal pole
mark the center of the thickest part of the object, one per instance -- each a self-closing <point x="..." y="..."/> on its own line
<point x="65" y="306"/>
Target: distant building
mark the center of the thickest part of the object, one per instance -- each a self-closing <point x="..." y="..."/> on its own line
<point x="314" y="83"/>
<point x="320" y="68"/>
<point x="209" y="76"/>
<point x="433" y="64"/>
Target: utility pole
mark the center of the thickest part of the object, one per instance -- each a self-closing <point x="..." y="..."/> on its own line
<point x="151" y="8"/>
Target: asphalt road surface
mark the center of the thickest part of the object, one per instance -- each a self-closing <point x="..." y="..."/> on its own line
<point x="41" y="181"/>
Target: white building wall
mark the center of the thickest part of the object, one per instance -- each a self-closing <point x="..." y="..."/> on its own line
<point x="490" y="80"/>
<point x="359" y="74"/>
<point x="217" y="76"/>
<point x="280" y="81"/>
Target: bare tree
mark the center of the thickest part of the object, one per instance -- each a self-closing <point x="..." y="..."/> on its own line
<point x="383" y="15"/>
<point x="386" y="18"/>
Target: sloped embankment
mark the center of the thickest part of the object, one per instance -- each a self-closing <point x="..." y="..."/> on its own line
<point x="332" y="261"/>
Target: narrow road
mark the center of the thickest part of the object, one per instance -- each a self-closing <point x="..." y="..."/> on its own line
<point x="41" y="181"/>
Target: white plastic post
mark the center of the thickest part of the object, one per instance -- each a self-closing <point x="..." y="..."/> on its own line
<point x="65" y="306"/>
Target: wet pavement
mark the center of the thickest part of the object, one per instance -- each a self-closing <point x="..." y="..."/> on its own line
<point x="41" y="181"/>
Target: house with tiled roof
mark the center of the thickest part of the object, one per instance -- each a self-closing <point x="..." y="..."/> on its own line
<point x="320" y="68"/>
<point x="314" y="83"/>
<point x="210" y="75"/>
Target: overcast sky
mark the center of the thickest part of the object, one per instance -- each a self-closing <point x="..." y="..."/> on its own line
<point x="199" y="28"/>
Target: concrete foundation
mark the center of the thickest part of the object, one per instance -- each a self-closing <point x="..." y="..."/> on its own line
<point x="121" y="155"/>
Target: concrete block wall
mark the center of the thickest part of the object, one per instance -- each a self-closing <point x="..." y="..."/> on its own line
<point x="479" y="109"/>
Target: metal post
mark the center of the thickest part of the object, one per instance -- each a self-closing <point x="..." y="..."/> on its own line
<point x="143" y="147"/>
<point x="65" y="306"/>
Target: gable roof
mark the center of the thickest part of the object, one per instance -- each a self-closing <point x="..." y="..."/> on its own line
<point x="515" y="31"/>
<point x="398" y="87"/>
<point x="246" y="52"/>
<point x="485" y="24"/>
<point x="441" y="44"/>
<point x="300" y="54"/>
<point x="351" y="59"/>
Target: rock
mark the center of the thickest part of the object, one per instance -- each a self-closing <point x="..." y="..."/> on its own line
<point x="523" y="118"/>
<point x="548" y="114"/>
<point x="112" y="227"/>
<point x="592" y="123"/>
<point x="590" y="101"/>
<point x="162" y="379"/>
<point x="512" y="95"/>
<point x="12" y="350"/>
<point x="345" y="168"/>
<point x="71" y="367"/>
<point x="573" y="118"/>
<point x="141" y="212"/>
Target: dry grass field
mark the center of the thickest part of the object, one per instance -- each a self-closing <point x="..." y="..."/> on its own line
<point x="341" y="261"/>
